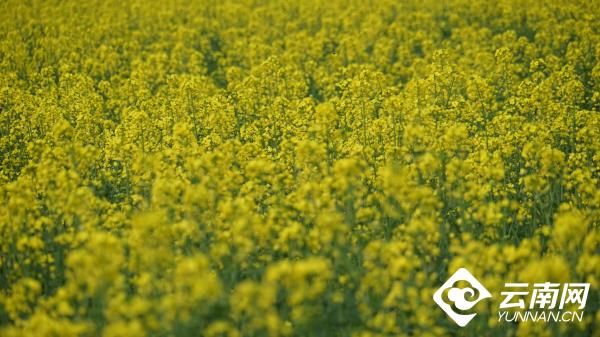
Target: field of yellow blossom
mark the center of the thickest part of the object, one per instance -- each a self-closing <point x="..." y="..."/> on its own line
<point x="282" y="168"/>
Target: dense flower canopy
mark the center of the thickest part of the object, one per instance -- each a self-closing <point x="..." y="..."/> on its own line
<point x="293" y="168"/>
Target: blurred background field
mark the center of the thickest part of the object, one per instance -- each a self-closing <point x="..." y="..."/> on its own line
<point x="282" y="168"/>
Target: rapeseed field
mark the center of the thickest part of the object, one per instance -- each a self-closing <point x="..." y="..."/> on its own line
<point x="294" y="168"/>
